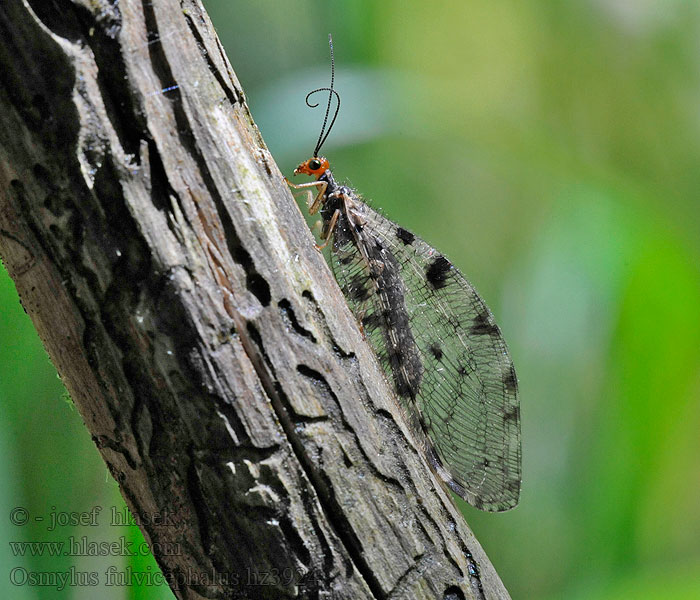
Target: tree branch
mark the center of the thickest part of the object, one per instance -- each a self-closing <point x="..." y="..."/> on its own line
<point x="174" y="283"/>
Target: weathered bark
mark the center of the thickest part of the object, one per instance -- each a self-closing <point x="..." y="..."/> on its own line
<point x="175" y="286"/>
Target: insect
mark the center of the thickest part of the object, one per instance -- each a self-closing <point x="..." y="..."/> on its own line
<point x="435" y="338"/>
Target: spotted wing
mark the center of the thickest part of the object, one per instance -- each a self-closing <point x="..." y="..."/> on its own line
<point x="437" y="341"/>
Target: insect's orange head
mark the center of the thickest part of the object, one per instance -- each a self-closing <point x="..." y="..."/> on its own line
<point x="316" y="166"/>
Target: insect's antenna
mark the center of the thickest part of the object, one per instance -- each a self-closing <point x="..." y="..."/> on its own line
<point x="331" y="94"/>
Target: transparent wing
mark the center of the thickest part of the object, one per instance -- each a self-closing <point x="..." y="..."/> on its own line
<point x="438" y="342"/>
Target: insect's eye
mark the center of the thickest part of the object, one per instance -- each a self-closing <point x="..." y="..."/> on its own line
<point x="314" y="164"/>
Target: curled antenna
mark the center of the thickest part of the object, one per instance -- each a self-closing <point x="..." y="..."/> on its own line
<point x="331" y="93"/>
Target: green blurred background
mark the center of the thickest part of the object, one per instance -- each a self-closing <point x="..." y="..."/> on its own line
<point x="551" y="150"/>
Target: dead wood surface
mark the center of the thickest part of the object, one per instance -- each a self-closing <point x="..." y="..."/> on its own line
<point x="174" y="283"/>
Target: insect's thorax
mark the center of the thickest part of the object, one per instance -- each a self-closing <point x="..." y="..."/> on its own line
<point x="335" y="199"/>
<point x="331" y="199"/>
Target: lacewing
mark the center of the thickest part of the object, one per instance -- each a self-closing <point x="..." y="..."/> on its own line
<point x="434" y="336"/>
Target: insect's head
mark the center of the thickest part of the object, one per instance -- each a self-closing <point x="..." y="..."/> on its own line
<point x="315" y="166"/>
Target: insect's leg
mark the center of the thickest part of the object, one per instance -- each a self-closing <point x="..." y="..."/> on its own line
<point x="308" y="196"/>
<point x="329" y="232"/>
<point x="318" y="201"/>
<point x="360" y="318"/>
<point x="304" y="186"/>
<point x="315" y="204"/>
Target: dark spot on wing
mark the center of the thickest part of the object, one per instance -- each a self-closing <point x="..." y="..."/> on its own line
<point x="405" y="388"/>
<point x="406" y="379"/>
<point x="510" y="381"/>
<point x="436" y="351"/>
<point x="463" y="370"/>
<point x="481" y="325"/>
<point x="358" y="288"/>
<point x="359" y="293"/>
<point x="512" y="415"/>
<point x="371" y="321"/>
<point x="437" y="272"/>
<point x="393" y="354"/>
<point x="405" y="236"/>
